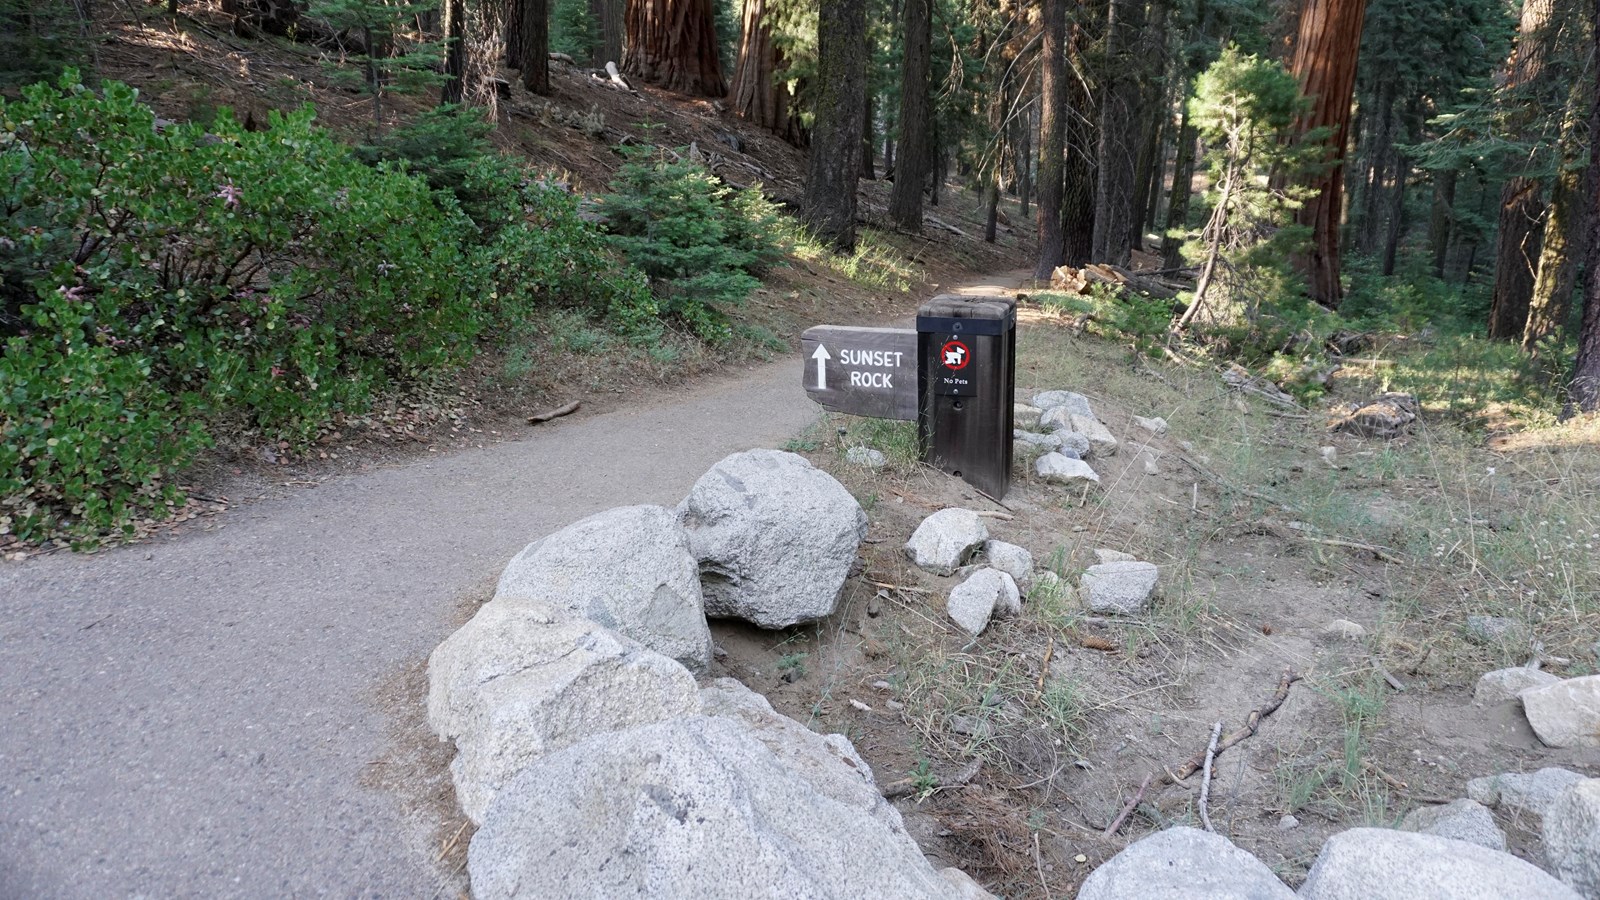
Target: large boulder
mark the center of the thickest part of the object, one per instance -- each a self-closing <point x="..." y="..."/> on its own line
<point x="1566" y="713"/>
<point x="1123" y="588"/>
<point x="1505" y="684"/>
<point x="699" y="808"/>
<point x="1531" y="793"/>
<point x="1463" y="820"/>
<point x="1382" y="864"/>
<point x="628" y="569"/>
<point x="985" y="593"/>
<point x="774" y="536"/>
<point x="1572" y="837"/>
<point x="945" y="539"/>
<point x="1180" y="863"/>
<point x="523" y="679"/>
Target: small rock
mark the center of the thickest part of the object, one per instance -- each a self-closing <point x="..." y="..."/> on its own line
<point x="1072" y="444"/>
<point x="1567" y="713"/>
<point x="1154" y="424"/>
<point x="1012" y="560"/>
<point x="1101" y="441"/>
<point x="944" y="540"/>
<point x="882" y="685"/>
<point x="1103" y="555"/>
<point x="1462" y="820"/>
<point x="1505" y="684"/>
<point x="1572" y="837"/>
<point x="1181" y="863"/>
<point x="1532" y="793"/>
<point x="1046" y="442"/>
<point x="1025" y="416"/>
<point x="970" y="726"/>
<point x="866" y="456"/>
<point x="1118" y="587"/>
<point x="965" y="888"/>
<point x="1076" y="403"/>
<point x="895" y="705"/>
<point x="1048" y="582"/>
<point x="1288" y="823"/>
<point x="987" y="593"/>
<point x="1384" y="864"/>
<point x="1150" y="467"/>
<point x="1344" y="630"/>
<point x="1496" y="631"/>
<point x="1056" y="468"/>
<point x="1330" y="455"/>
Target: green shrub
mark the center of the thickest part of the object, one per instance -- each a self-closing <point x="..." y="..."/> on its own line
<point x="701" y="242"/>
<point x="175" y="276"/>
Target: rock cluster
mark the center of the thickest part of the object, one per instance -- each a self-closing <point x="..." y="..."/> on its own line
<point x="593" y="763"/>
<point x="1562" y="712"/>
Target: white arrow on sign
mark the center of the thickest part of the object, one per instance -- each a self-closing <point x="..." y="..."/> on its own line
<point x="822" y="356"/>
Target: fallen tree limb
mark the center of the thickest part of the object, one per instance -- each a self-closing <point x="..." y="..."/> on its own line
<point x="558" y="412"/>
<point x="1127" y="810"/>
<point x="1205" y="777"/>
<point x="1194" y="763"/>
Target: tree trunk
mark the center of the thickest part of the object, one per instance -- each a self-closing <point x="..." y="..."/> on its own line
<point x="673" y="44"/>
<point x="1325" y="51"/>
<point x="455" y="60"/>
<point x="1153" y="102"/>
<point x="518" y="13"/>
<point x="1583" y="394"/>
<point x="829" y="207"/>
<point x="1442" y="217"/>
<point x="250" y="17"/>
<point x="1077" y="203"/>
<point x="1521" y="200"/>
<point x="991" y="208"/>
<point x="868" y="138"/>
<point x="1052" y="136"/>
<point x="1379" y="159"/>
<point x="607" y="17"/>
<point x="912" y="168"/>
<point x="1118" y="153"/>
<point x="1562" y="247"/>
<point x="1024" y="163"/>
<point x="1178" y="196"/>
<point x="1397" y="214"/>
<point x="535" y="45"/>
<point x="1516" y="256"/>
<point x="756" y="93"/>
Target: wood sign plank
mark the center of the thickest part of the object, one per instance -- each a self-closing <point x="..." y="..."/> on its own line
<point x="862" y="371"/>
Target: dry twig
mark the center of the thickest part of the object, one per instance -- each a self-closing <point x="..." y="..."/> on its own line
<point x="1127" y="810"/>
<point x="1250" y="726"/>
<point x="1205" y="778"/>
<point x="564" y="410"/>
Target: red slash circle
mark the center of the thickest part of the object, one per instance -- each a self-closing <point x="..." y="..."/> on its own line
<point x="955" y="355"/>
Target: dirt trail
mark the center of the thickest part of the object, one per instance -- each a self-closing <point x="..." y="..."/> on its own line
<point x="208" y="716"/>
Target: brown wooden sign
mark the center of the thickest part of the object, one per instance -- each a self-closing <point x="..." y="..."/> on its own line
<point x="862" y="371"/>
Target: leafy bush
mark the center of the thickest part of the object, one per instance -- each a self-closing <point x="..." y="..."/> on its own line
<point x="701" y="242"/>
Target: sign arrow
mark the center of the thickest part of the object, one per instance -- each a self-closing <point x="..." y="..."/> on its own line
<point x="822" y="356"/>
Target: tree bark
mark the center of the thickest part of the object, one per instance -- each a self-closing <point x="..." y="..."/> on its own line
<point x="673" y="44"/>
<point x="1052" y="136"/>
<point x="1441" y="218"/>
<point x="868" y="138"/>
<point x="912" y="166"/>
<point x="1178" y="196"/>
<point x="1077" y="194"/>
<point x="453" y="90"/>
<point x="1325" y="51"/>
<point x="829" y="207"/>
<point x="1562" y="247"/>
<point x="1583" y="394"/>
<point x="1024" y="163"/>
<point x="1118" y="154"/>
<point x="607" y="16"/>
<point x="1396" y="224"/>
<point x="1521" y="200"/>
<point x="756" y="93"/>
<point x="535" y="45"/>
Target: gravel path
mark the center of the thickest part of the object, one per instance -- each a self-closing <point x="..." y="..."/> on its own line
<point x="195" y="717"/>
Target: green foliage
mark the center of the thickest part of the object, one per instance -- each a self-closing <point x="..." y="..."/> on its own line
<point x="39" y="39"/>
<point x="701" y="243"/>
<point x="573" y="31"/>
<point x="157" y="282"/>
<point x="389" y="64"/>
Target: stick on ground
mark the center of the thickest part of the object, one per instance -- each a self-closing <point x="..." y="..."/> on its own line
<point x="1251" y="724"/>
<point x="1205" y="778"/>
<point x="558" y="412"/>
<point x="1127" y="810"/>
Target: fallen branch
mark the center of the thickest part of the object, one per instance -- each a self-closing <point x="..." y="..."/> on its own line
<point x="1044" y="670"/>
<point x="908" y="786"/>
<point x="1250" y="726"/>
<point x="1126" y="810"/>
<point x="1394" y="682"/>
<point x="1205" y="778"/>
<point x="1380" y="552"/>
<point x="556" y="413"/>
